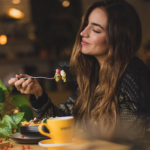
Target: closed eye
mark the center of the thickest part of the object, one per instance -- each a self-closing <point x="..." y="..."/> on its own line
<point x="96" y="31"/>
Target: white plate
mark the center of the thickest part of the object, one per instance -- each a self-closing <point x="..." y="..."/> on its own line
<point x="49" y="143"/>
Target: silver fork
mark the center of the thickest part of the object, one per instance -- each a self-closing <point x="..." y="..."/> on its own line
<point x="37" y="78"/>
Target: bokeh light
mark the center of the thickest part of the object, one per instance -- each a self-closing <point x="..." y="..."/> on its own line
<point x="15" y="1"/>
<point x="15" y="13"/>
<point x="65" y="3"/>
<point x="3" y="39"/>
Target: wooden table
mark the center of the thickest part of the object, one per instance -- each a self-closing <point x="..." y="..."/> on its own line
<point x="96" y="145"/>
<point x="17" y="146"/>
<point x="77" y="145"/>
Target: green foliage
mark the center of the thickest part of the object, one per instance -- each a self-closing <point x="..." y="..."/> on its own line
<point x="17" y="117"/>
<point x="6" y="131"/>
<point x="4" y="88"/>
<point x="9" y="122"/>
<point x="1" y="108"/>
<point x="28" y="112"/>
<point x="17" y="98"/>
<point x="2" y="95"/>
<point x="19" y="124"/>
<point x="23" y="105"/>
<point x="45" y="120"/>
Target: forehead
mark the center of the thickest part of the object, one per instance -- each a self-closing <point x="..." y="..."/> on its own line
<point x="98" y="15"/>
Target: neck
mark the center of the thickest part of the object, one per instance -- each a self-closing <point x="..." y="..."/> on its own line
<point x="100" y="59"/>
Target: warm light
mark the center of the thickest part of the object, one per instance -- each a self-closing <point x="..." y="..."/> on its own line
<point x="3" y="39"/>
<point x="15" y="1"/>
<point x="65" y="3"/>
<point x="15" y="13"/>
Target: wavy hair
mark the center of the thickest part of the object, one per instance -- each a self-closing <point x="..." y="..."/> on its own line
<point x="98" y="85"/>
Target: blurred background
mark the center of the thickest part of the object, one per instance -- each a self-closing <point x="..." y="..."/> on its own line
<point x="37" y="37"/>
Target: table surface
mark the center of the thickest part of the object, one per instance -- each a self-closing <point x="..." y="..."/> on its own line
<point x="17" y="146"/>
<point x="77" y="145"/>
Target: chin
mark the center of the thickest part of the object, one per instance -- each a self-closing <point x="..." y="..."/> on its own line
<point x="84" y="52"/>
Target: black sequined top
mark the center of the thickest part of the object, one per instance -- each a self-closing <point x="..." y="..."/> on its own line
<point x="133" y="98"/>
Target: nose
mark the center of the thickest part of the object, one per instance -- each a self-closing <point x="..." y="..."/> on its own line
<point x="85" y="32"/>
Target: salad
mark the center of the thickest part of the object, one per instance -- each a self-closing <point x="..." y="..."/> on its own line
<point x="34" y="122"/>
<point x="60" y="75"/>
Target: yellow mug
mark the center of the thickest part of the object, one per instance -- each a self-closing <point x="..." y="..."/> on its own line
<point x="60" y="129"/>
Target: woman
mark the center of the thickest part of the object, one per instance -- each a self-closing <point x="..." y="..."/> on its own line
<point x="113" y="84"/>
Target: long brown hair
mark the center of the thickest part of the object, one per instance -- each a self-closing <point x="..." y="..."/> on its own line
<point x="98" y="85"/>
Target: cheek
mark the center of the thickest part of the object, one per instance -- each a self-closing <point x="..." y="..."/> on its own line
<point x="100" y="41"/>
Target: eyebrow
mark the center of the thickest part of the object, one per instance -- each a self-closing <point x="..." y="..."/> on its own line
<point x="96" y="24"/>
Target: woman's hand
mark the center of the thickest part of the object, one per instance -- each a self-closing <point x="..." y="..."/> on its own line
<point x="26" y="86"/>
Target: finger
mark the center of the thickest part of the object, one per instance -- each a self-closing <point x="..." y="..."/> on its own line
<point x="12" y="81"/>
<point x="28" y="88"/>
<point x="30" y="85"/>
<point x="18" y="84"/>
<point x="27" y="82"/>
<point x="23" y="90"/>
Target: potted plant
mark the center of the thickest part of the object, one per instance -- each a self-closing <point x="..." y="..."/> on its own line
<point x="10" y="119"/>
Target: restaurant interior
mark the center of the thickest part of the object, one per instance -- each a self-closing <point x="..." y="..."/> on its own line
<point x="37" y="37"/>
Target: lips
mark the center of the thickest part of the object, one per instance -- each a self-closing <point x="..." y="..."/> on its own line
<point x="84" y="43"/>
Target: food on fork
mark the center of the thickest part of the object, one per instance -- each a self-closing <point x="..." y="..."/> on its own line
<point x="60" y="75"/>
<point x="63" y="75"/>
<point x="57" y="75"/>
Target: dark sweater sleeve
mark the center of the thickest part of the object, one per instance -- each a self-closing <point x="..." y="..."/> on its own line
<point x="44" y="108"/>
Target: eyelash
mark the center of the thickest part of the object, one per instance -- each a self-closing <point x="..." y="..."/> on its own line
<point x="96" y="31"/>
